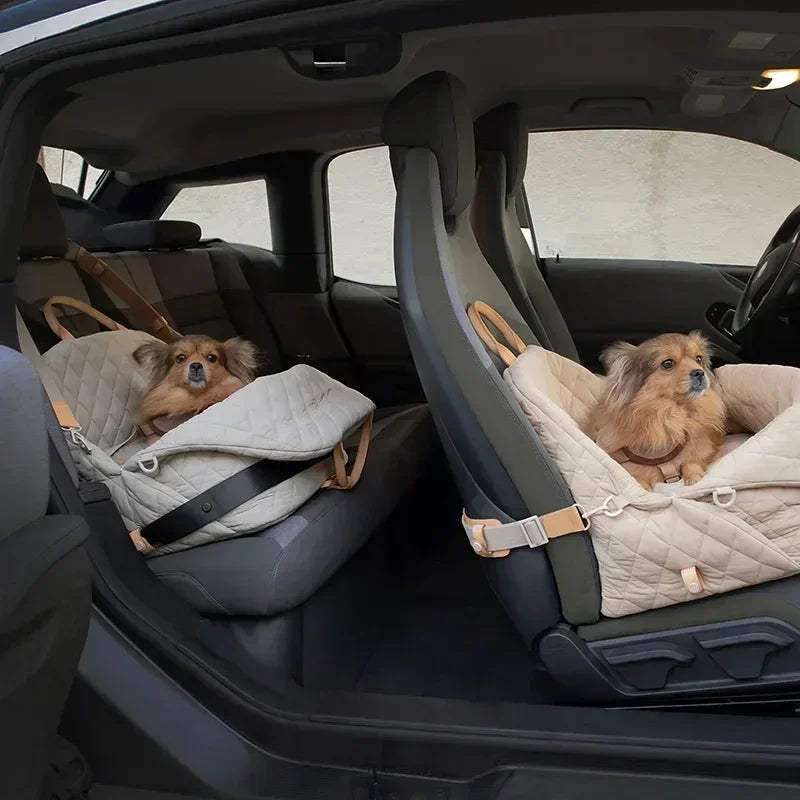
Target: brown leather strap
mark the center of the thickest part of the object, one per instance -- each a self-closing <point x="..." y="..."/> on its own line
<point x="60" y="300"/>
<point x="693" y="580"/>
<point x="340" y="479"/>
<point x="476" y="313"/>
<point x="153" y="321"/>
<point x="561" y="522"/>
<point x="64" y="415"/>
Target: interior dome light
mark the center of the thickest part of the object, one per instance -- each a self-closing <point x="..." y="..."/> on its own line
<point x="779" y="78"/>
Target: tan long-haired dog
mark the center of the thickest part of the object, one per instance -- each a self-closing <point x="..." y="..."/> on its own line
<point x="190" y="375"/>
<point x="660" y="415"/>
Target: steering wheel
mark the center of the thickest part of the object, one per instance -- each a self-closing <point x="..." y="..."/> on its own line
<point x="772" y="277"/>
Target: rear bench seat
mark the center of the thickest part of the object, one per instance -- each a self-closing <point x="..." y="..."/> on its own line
<point x="204" y="290"/>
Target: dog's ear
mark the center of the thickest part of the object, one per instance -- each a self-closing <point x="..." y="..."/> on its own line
<point x="241" y="358"/>
<point x="153" y="355"/>
<point x="625" y="377"/>
<point x="701" y="341"/>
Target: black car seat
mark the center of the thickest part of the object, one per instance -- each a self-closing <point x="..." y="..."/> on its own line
<point x="742" y="642"/>
<point x="45" y="587"/>
<point x="254" y="580"/>
<point x="501" y="142"/>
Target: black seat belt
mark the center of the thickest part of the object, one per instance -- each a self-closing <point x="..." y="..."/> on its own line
<point x="220" y="499"/>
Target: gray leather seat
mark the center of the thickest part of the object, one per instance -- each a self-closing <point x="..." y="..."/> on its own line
<point x="45" y="587"/>
<point x="501" y="142"/>
<point x="740" y="643"/>
<point x="205" y="292"/>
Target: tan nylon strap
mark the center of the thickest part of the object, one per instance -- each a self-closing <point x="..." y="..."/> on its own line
<point x="60" y="300"/>
<point x="154" y="322"/>
<point x="340" y="479"/>
<point x="480" y="310"/>
<point x="492" y="539"/>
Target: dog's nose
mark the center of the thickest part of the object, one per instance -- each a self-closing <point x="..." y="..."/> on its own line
<point x="195" y="368"/>
<point x="695" y="374"/>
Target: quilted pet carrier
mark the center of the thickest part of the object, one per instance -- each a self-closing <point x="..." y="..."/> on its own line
<point x="739" y="526"/>
<point x="236" y="468"/>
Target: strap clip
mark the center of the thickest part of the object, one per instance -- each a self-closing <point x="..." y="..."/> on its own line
<point x="609" y="508"/>
<point x="74" y="435"/>
<point x="725" y="491"/>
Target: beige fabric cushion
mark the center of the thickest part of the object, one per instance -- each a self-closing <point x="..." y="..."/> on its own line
<point x="642" y="551"/>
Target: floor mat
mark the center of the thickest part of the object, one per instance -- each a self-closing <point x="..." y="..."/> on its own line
<point x="459" y="652"/>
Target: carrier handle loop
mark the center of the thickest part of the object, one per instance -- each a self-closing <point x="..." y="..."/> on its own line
<point x="480" y="310"/>
<point x="84" y="308"/>
<point x="340" y="479"/>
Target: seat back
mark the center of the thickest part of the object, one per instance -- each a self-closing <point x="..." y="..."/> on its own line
<point x="198" y="289"/>
<point x="499" y="463"/>
<point x="501" y="141"/>
<point x="45" y="588"/>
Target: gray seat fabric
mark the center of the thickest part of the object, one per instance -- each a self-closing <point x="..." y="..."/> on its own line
<point x="501" y="141"/>
<point x="204" y="290"/>
<point x="280" y="568"/>
<point x="197" y="289"/>
<point x="45" y="588"/>
<point x="499" y="463"/>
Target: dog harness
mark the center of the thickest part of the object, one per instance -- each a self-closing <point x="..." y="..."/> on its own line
<point x="670" y="472"/>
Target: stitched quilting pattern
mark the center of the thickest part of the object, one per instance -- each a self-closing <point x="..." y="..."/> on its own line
<point x="296" y="415"/>
<point x="641" y="553"/>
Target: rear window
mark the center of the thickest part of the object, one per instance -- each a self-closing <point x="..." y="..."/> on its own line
<point x="64" y="168"/>
<point x="233" y="212"/>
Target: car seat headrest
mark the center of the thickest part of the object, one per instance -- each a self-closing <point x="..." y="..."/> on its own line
<point x="153" y="234"/>
<point x="502" y="130"/>
<point x="43" y="232"/>
<point x="433" y="112"/>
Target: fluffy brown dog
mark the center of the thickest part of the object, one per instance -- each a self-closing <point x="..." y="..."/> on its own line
<point x="660" y="415"/>
<point x="190" y="375"/>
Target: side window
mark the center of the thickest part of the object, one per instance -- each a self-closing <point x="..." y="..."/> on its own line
<point x="361" y="197"/>
<point x="64" y="167"/>
<point x="235" y="212"/>
<point x="660" y="195"/>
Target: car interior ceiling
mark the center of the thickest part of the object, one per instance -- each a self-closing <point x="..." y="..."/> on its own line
<point x="389" y="605"/>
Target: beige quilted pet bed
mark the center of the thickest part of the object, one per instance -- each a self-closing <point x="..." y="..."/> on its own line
<point x="738" y="526"/>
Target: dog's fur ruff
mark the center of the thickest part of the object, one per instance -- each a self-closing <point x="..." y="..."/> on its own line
<point x="652" y="404"/>
<point x="180" y="390"/>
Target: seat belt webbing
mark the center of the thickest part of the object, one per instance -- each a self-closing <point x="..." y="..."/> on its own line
<point x="220" y="499"/>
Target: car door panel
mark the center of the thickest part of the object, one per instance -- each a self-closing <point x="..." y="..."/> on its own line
<point x="606" y="300"/>
<point x="369" y="317"/>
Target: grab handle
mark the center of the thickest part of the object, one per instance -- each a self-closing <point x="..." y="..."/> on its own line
<point x="480" y="310"/>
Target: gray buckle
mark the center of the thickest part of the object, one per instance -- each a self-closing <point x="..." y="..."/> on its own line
<point x="533" y="531"/>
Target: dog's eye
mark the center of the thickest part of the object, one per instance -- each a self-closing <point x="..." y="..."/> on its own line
<point x="667" y="363"/>
<point x="699" y="359"/>
<point x="180" y="358"/>
<point x="211" y="357"/>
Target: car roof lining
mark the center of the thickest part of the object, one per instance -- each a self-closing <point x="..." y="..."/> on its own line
<point x="573" y="72"/>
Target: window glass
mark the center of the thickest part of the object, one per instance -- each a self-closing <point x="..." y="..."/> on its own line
<point x="235" y="212"/>
<point x="664" y="195"/>
<point x="64" y="167"/>
<point x="361" y="196"/>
